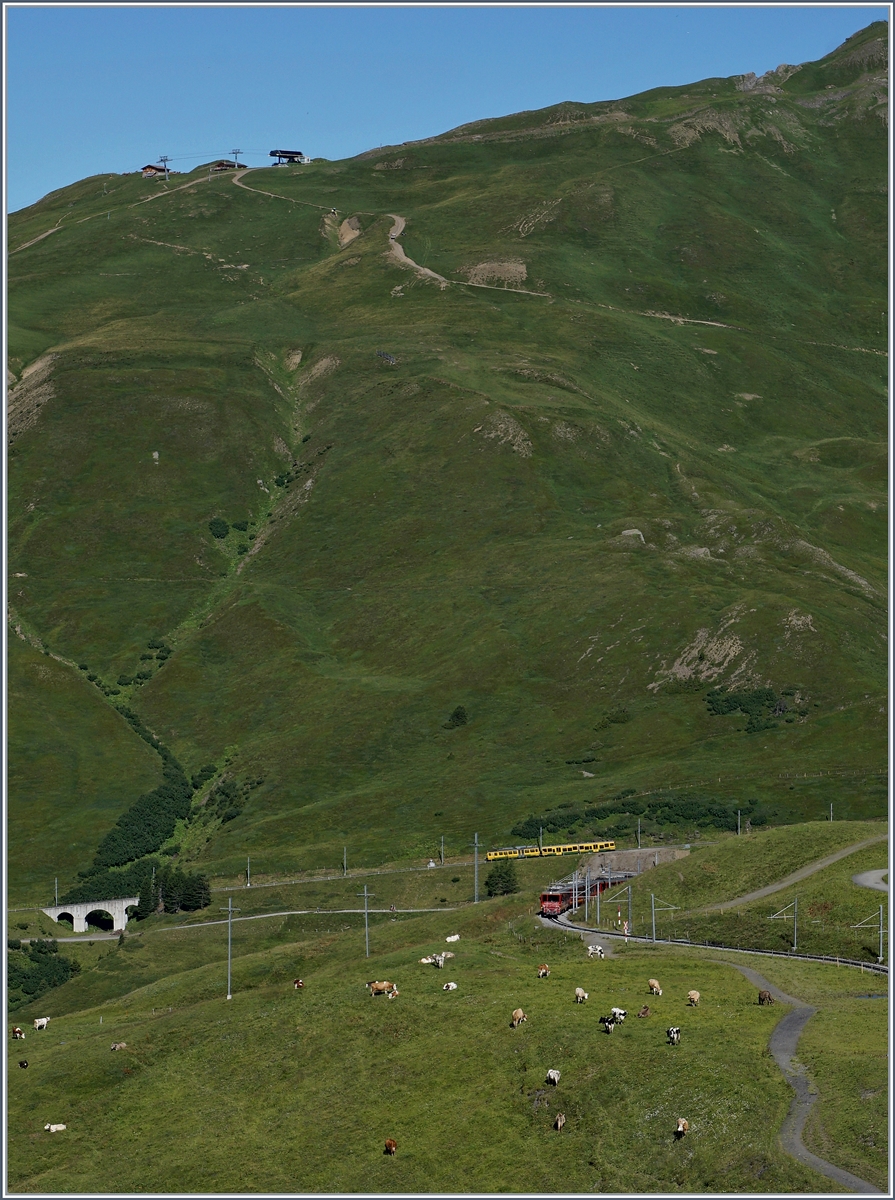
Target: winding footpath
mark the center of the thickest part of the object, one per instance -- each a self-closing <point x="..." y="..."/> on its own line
<point x="872" y="879"/>
<point x="782" y="1045"/>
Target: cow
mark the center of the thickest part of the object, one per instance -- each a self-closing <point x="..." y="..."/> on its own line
<point x="518" y="1017"/>
<point x="393" y="993"/>
<point x="438" y="960"/>
<point x="693" y="998"/>
<point x="595" y="952"/>
<point x="455" y="937"/>
<point x="580" y="995"/>
<point x="41" y="1022"/>
<point x="608" y="1023"/>
<point x="674" y="1035"/>
<point x="560" y="1121"/>
<point x="119" y="1045"/>
<point x="449" y="987"/>
<point x="298" y="983"/>
<point x="683" y="1126"/>
<point x="765" y="998"/>
<point x="645" y="1011"/>
<point x="54" y="1128"/>
<point x="17" y="1034"/>
<point x="543" y="971"/>
<point x="428" y="960"/>
<point x="552" y="1077"/>
<point x="23" y="1063"/>
<point x="448" y="954"/>
<point x="654" y="989"/>
<point x="619" y="1015"/>
<point x="391" y="1146"/>
<point x="381" y="988"/>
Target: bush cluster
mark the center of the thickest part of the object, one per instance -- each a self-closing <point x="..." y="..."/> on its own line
<point x="33" y="969"/>
<point x="172" y="889"/>
<point x="227" y="800"/>
<point x="151" y="818"/>
<point x="110" y="884"/>
<point x="759" y="705"/>
<point x="617" y="716"/>
<point x="218" y="527"/>
<point x="666" y="809"/>
<point x="457" y="718"/>
<point x="502" y="879"/>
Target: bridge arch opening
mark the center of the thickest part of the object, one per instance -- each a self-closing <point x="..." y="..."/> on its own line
<point x="66" y="918"/>
<point x="100" y="919"/>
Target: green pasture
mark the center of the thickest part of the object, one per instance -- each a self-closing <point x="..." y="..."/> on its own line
<point x="431" y="1069"/>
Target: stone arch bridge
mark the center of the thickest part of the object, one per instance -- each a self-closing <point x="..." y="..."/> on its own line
<point x="78" y="913"/>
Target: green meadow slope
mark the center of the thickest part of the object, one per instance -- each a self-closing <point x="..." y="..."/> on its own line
<point x="632" y="448"/>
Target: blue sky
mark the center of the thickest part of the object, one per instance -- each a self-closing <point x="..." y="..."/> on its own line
<point x="109" y="88"/>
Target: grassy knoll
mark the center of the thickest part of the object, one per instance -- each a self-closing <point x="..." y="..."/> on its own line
<point x="553" y="505"/>
<point x="442" y="1073"/>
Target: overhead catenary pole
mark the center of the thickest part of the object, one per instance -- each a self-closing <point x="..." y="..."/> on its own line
<point x="366" y="897"/>
<point x="795" y="924"/>
<point x="630" y="911"/>
<point x="248" y="871"/>
<point x="476" y="890"/>
<point x="652" y="900"/>
<point x="586" y="891"/>
<point x="638" y="833"/>
<point x="442" y="849"/>
<point x="344" y="860"/>
<point x="229" y="910"/>
<point x="56" y="888"/>
<point x="165" y="159"/>
<point x="738" y="822"/>
<point x="236" y="154"/>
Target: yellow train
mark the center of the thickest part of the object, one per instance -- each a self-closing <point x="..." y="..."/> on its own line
<point x="544" y="851"/>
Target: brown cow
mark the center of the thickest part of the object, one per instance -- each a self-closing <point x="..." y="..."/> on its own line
<point x="381" y="988"/>
<point x="765" y="998"/>
<point x="391" y="1146"/>
<point x="17" y="1034"/>
<point x="518" y="1017"/>
<point x="683" y="1126"/>
<point x="543" y="971"/>
<point x="645" y="1011"/>
<point x="560" y="1121"/>
<point x="298" y="983"/>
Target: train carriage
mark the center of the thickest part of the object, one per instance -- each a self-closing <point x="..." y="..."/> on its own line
<point x="548" y="851"/>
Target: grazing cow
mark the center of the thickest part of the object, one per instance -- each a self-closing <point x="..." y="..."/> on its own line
<point x="41" y="1022"/>
<point x="54" y="1128"/>
<point x="645" y="1011"/>
<point x="683" y="1126"/>
<point x="438" y="959"/>
<point x="552" y="1077"/>
<point x="580" y="995"/>
<point x="595" y="952"/>
<point x="560" y="1121"/>
<point x="449" y="987"/>
<point x="391" y="1146"/>
<point x="674" y="1035"/>
<point x="298" y="983"/>
<point x="619" y="1015"/>
<point x="654" y="989"/>
<point x="608" y="1023"/>
<point x="23" y="1063"/>
<point x="693" y="998"/>
<point x="543" y="971"/>
<point x="393" y="993"/>
<point x="17" y="1034"/>
<point x="428" y="960"/>
<point x="119" y="1045"/>
<point x="381" y="988"/>
<point x="455" y="937"/>
<point x="518" y="1017"/>
<point x="765" y="998"/>
<point x="448" y="954"/>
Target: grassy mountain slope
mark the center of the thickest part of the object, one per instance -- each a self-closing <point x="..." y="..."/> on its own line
<point x="665" y="315"/>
